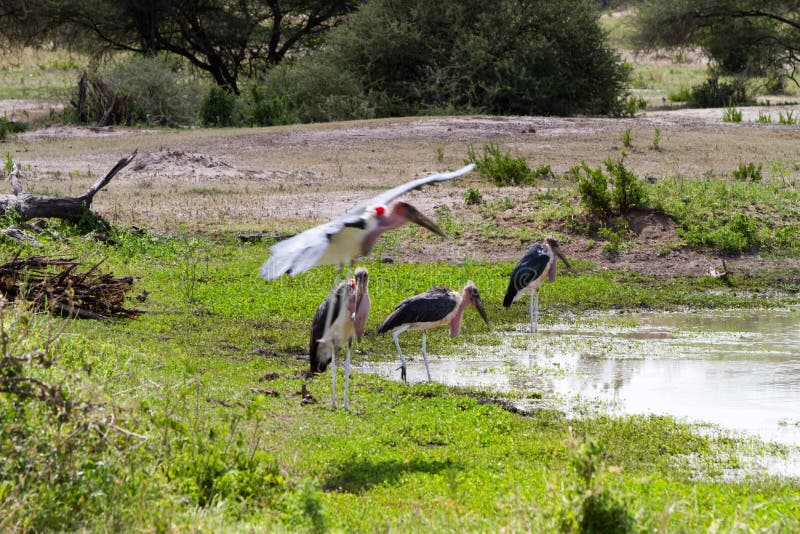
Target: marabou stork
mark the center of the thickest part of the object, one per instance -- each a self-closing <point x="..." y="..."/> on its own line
<point x="538" y="264"/>
<point x="349" y="312"/>
<point x="438" y="306"/>
<point x="341" y="241"/>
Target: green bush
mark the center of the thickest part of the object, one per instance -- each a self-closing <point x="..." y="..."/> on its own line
<point x="407" y="58"/>
<point x="596" y="196"/>
<point x="160" y="94"/>
<point x="217" y="108"/>
<point x="473" y="197"/>
<point x="684" y="94"/>
<point x="748" y="172"/>
<point x="500" y="168"/>
<point x="316" y="91"/>
<point x="590" y="507"/>
<point x="715" y="94"/>
<point x="593" y="189"/>
<point x="267" y="110"/>
<point x="10" y="127"/>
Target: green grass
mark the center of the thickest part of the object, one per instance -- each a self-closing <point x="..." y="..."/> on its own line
<point x="732" y="215"/>
<point x="209" y="376"/>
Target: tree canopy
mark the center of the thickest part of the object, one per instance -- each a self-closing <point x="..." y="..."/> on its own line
<point x="507" y="57"/>
<point x="742" y="37"/>
<point x="223" y="37"/>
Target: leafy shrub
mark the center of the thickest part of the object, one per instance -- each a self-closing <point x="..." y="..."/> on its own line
<point x="160" y="94"/>
<point x="656" y="144"/>
<point x="473" y="197"/>
<point x="265" y="110"/>
<point x="543" y="171"/>
<point x="500" y="168"/>
<point x="629" y="106"/>
<point x="626" y="138"/>
<point x="684" y="94"/>
<point x="317" y="91"/>
<point x="589" y="506"/>
<point x="593" y="188"/>
<point x="713" y="94"/>
<point x="217" y="108"/>
<point x="414" y="57"/>
<point x="748" y="172"/>
<point x="10" y="127"/>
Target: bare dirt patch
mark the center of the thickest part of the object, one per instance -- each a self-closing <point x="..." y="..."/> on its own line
<point x="290" y="178"/>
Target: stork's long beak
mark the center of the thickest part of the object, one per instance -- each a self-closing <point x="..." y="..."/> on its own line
<point x="560" y="254"/>
<point x="361" y="288"/>
<point x="415" y="216"/>
<point x="478" y="303"/>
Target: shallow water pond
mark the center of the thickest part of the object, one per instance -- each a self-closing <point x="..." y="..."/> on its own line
<point x="737" y="369"/>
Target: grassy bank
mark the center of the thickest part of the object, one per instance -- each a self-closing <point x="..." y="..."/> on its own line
<point x="209" y="431"/>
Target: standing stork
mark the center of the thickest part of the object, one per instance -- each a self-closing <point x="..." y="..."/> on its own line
<point x="436" y="307"/>
<point x="538" y="264"/>
<point x="349" y="311"/>
<point x="341" y="241"/>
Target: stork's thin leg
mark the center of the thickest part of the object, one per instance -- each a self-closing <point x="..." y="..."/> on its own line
<point x="536" y="312"/>
<point x="425" y="355"/>
<point x="532" y="329"/>
<point x="400" y="352"/>
<point x="333" y="375"/>
<point x="346" y="403"/>
<point x="331" y="303"/>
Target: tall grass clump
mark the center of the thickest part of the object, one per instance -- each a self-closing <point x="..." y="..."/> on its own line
<point x="501" y="168"/>
<point x="731" y="114"/>
<point x="787" y="118"/>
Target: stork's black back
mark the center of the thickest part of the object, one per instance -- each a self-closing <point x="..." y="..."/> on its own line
<point x="319" y="362"/>
<point x="428" y="307"/>
<point x="529" y="268"/>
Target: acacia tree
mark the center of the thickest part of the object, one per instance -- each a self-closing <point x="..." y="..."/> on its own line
<point x="226" y="38"/>
<point x="742" y="37"/>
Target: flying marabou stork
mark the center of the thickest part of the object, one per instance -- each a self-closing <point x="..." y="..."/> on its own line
<point x="538" y="264"/>
<point x="438" y="306"/>
<point x="341" y="241"/>
<point x="349" y="311"/>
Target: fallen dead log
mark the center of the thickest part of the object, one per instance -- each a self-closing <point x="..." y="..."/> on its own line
<point x="56" y="285"/>
<point x="29" y="206"/>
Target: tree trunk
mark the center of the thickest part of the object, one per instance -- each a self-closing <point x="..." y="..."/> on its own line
<point x="29" y="206"/>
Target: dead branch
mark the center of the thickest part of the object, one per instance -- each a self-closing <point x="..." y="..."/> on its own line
<point x="29" y="206"/>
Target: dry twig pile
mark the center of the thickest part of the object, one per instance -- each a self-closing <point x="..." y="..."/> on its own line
<point x="54" y="284"/>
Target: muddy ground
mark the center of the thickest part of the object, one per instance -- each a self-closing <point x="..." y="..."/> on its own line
<point x="284" y="179"/>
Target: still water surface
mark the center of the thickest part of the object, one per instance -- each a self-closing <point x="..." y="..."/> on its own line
<point x="736" y="369"/>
